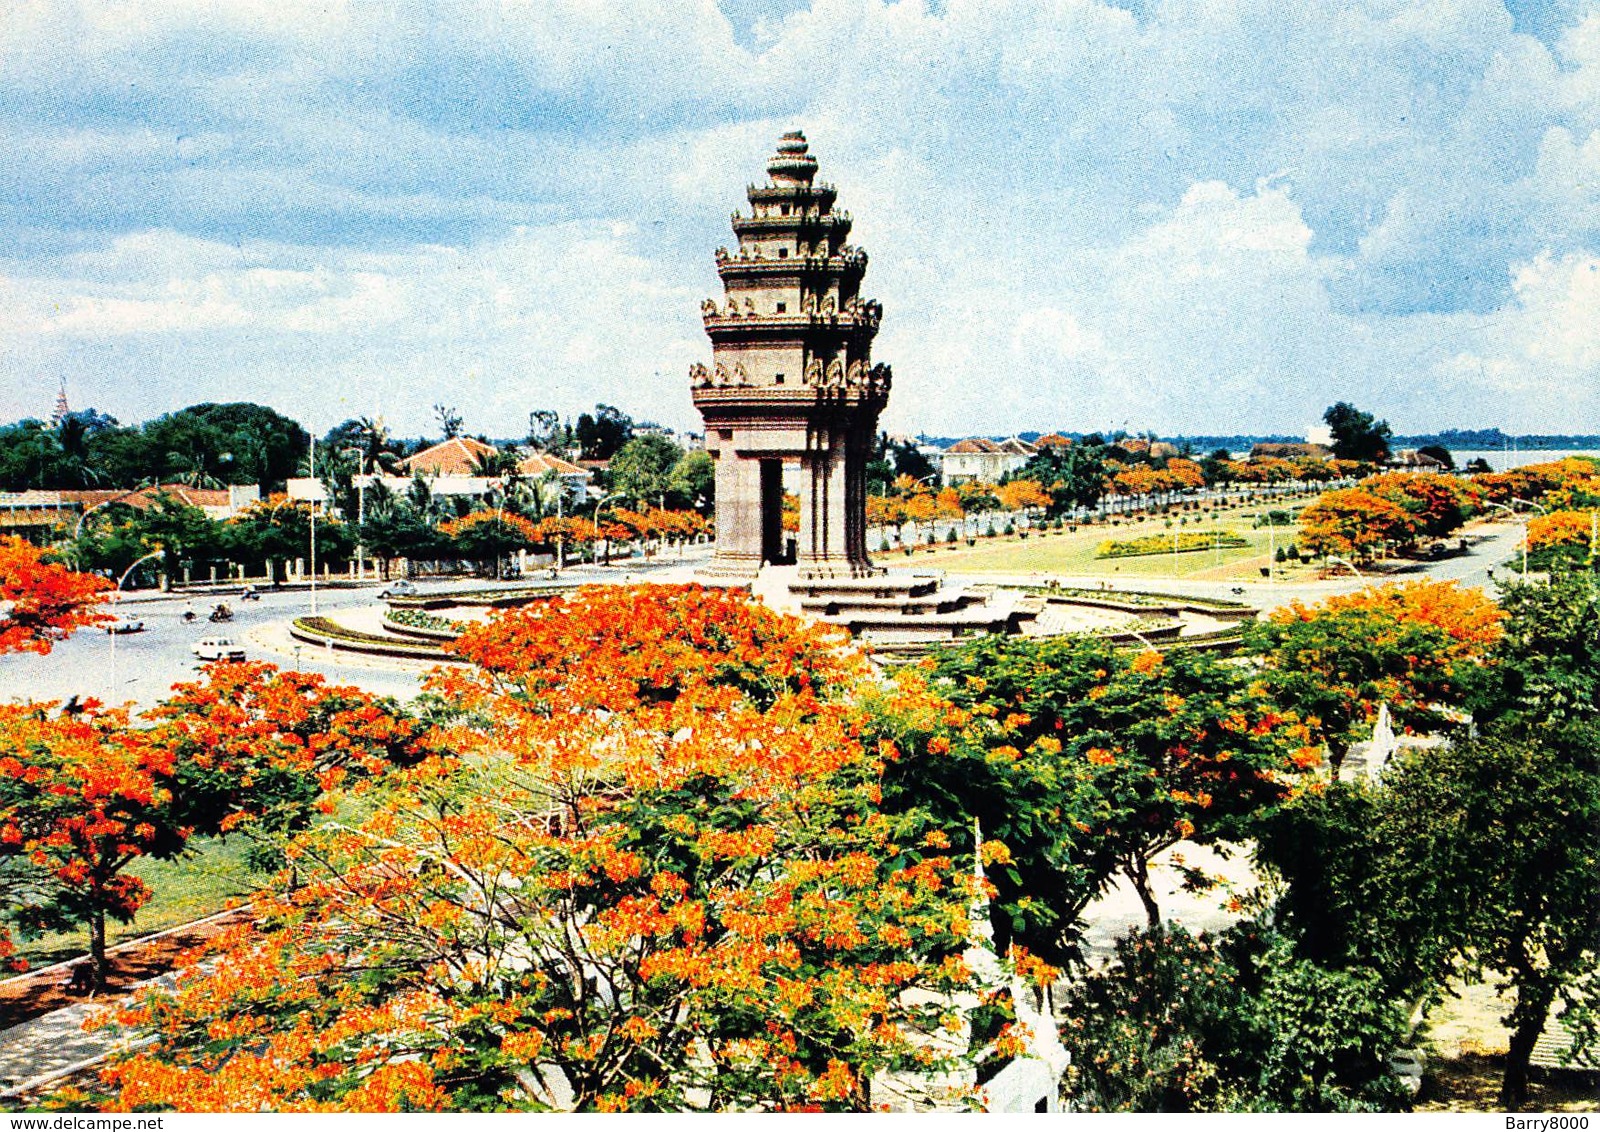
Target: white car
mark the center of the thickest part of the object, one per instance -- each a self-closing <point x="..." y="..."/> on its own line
<point x="218" y="648"/>
<point x="401" y="588"/>
<point x="125" y="625"/>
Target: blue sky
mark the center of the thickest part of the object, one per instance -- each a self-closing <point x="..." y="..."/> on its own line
<point x="1185" y="215"/>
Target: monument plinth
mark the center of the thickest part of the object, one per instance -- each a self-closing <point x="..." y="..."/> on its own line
<point x="791" y="379"/>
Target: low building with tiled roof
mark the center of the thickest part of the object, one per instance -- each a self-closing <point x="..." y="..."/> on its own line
<point x="979" y="458"/>
<point x="458" y="456"/>
<point x="1269" y="450"/>
<point x="574" y="480"/>
<point x="1053" y="440"/>
<point x="38" y="514"/>
<point x="1410" y="459"/>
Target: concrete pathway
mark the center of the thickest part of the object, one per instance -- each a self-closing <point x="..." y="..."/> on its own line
<point x="32" y="1054"/>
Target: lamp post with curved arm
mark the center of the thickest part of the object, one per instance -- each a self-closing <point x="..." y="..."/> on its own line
<point x="599" y="503"/>
<point x="117" y="593"/>
<point x="1512" y="511"/>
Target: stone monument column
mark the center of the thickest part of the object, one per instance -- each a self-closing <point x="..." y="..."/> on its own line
<point x="791" y="379"/>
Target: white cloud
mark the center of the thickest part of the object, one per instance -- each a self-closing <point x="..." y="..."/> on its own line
<point x="1209" y="215"/>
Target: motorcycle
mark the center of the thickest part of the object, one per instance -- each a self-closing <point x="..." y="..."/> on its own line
<point x="250" y="595"/>
<point x="221" y="613"/>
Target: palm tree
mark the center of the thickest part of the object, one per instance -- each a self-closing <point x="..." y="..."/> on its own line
<point x="375" y="447"/>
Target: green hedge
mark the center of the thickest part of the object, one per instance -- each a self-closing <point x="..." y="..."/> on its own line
<point x="496" y="599"/>
<point x="1183" y="542"/>
<point x="322" y="631"/>
<point x="420" y="623"/>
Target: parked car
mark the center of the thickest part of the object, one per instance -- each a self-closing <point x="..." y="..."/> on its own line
<point x="125" y="625"/>
<point x="401" y="588"/>
<point x="218" y="648"/>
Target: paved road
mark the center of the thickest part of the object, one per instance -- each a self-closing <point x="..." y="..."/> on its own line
<point x="141" y="667"/>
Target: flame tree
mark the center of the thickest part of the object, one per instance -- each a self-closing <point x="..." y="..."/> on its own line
<point x="655" y="876"/>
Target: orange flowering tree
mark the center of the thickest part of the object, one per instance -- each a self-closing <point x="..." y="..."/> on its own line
<point x="1438" y="504"/>
<point x="1563" y="539"/>
<point x="260" y="749"/>
<point x="487" y="536"/>
<point x="1412" y="646"/>
<point x="42" y="601"/>
<point x="655" y="875"/>
<point x="1185" y="473"/>
<point x="1353" y="521"/>
<point x="1022" y="495"/>
<point x="82" y="797"/>
<point x="571" y="530"/>
<point x="885" y="511"/>
<point x="1085" y="762"/>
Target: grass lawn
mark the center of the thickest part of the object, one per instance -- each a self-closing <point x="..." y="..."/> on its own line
<point x="181" y="890"/>
<point x="1063" y="552"/>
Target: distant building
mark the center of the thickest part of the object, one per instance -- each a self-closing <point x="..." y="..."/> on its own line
<point x="1410" y="460"/>
<point x="979" y="458"/>
<point x="1290" y="451"/>
<point x="1053" y="440"/>
<point x="450" y="471"/>
<point x="38" y="515"/>
<point x="458" y="456"/>
<point x="574" y="480"/>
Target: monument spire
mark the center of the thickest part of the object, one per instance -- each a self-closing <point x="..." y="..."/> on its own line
<point x="791" y="377"/>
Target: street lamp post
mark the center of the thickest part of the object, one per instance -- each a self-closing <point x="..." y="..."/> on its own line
<point x="118" y="593"/>
<point x="312" y="467"/>
<point x="599" y="503"/>
<point x="1512" y="511"/>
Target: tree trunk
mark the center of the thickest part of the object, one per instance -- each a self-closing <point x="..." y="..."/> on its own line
<point x="1533" y="1008"/>
<point x="1138" y="871"/>
<point x="97" y="948"/>
<point x="1336" y="753"/>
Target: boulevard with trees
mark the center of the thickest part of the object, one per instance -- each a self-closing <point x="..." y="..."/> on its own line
<point x="659" y="847"/>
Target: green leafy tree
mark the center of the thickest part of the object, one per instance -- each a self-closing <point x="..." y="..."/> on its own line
<point x="693" y="481"/>
<point x="213" y="444"/>
<point x="1074" y="476"/>
<point x="642" y="468"/>
<point x="394" y="528"/>
<point x="449" y="420"/>
<point x="601" y="434"/>
<point x="1413" y="647"/>
<point x="1481" y="858"/>
<point x="1239" y="1023"/>
<point x="545" y="432"/>
<point x="1086" y="762"/>
<point x="1547" y="669"/>
<point x="277" y="531"/>
<point x="1356" y="435"/>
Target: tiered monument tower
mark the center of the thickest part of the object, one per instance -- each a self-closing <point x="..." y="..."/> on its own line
<point x="791" y="378"/>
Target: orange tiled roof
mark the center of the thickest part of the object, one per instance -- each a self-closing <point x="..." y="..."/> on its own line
<point x="12" y="517"/>
<point x="973" y="444"/>
<point x="194" y="496"/>
<point x="1053" y="440"/>
<point x="541" y="462"/>
<point x="454" y="457"/>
